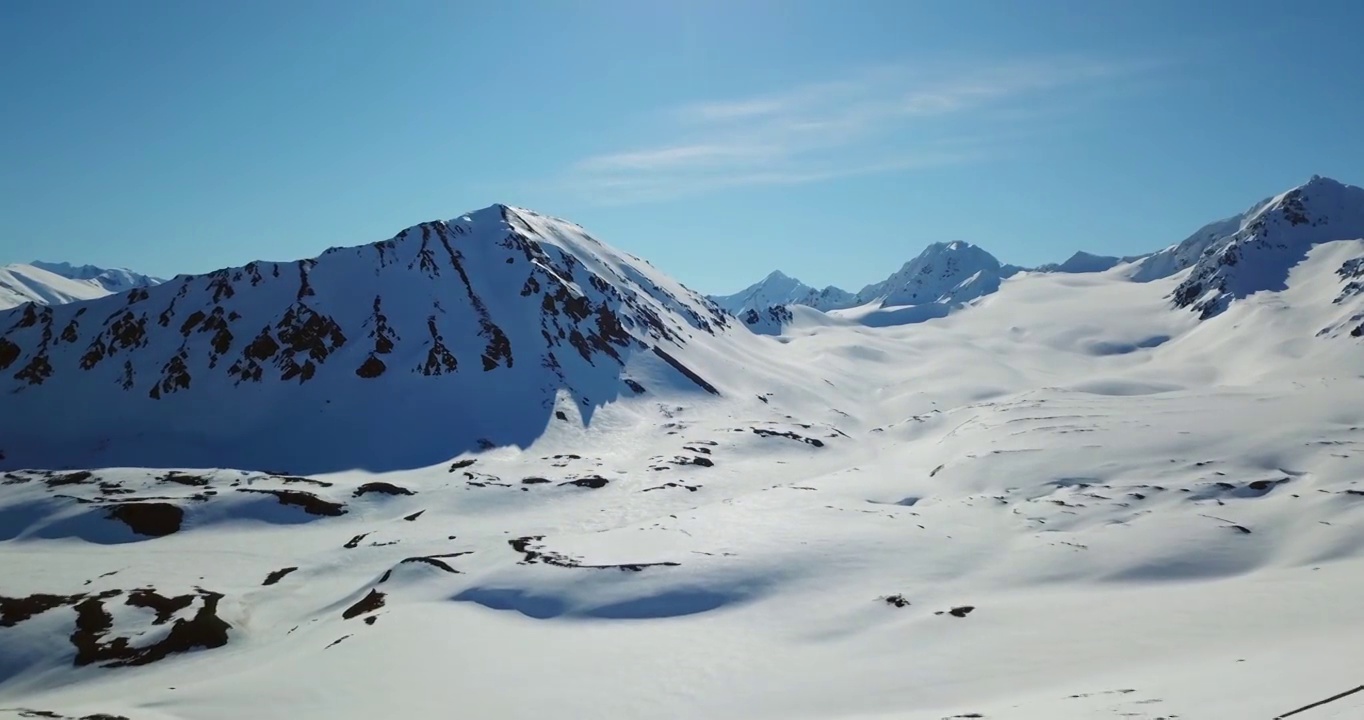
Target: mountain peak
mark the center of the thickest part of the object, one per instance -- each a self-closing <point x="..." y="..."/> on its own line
<point x="480" y="326"/>
<point x="777" y="289"/>
<point x="1256" y="251"/>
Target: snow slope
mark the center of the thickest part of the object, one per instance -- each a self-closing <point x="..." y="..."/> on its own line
<point x="47" y="284"/>
<point x="1070" y="499"/>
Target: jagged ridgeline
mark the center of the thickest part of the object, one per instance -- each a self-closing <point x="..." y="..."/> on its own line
<point x="449" y="335"/>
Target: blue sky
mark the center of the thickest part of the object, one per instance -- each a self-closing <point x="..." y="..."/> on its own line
<point x="720" y="139"/>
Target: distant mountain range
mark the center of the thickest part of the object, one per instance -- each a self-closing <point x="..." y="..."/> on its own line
<point x="49" y="283"/>
<point x="1277" y="230"/>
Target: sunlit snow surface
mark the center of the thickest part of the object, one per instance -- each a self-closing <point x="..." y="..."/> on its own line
<point x="1148" y="515"/>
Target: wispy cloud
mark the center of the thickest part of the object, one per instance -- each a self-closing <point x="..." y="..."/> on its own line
<point x="882" y="119"/>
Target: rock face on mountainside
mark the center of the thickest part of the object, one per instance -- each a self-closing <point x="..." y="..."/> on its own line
<point x="779" y="289"/>
<point x="449" y="336"/>
<point x="57" y="283"/>
<point x="1266" y="243"/>
<point x="768" y="321"/>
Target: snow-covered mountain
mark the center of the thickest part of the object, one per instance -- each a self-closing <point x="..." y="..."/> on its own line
<point x="481" y="329"/>
<point x="1083" y="262"/>
<point x="115" y="280"/>
<point x="779" y="289"/>
<point x="1269" y="242"/>
<point x="946" y="274"/>
<point x="57" y="283"/>
<point x="559" y="484"/>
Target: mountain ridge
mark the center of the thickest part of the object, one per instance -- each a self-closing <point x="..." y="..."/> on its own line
<point x="905" y="287"/>
<point x="500" y="290"/>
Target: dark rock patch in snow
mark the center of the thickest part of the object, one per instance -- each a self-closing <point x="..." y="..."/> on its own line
<point x="664" y="486"/>
<point x="382" y="488"/>
<point x="184" y="478"/>
<point x="435" y="561"/>
<point x="763" y="432"/>
<point x="594" y="482"/>
<point x="367" y="604"/>
<point x="686" y="371"/>
<point x="310" y="503"/>
<point x="530" y="547"/>
<point x="29" y="713"/>
<point x="164" y="607"/>
<point x="277" y="575"/>
<point x="75" y="478"/>
<point x="205" y="630"/>
<point x="153" y="519"/>
<point x="14" y="610"/>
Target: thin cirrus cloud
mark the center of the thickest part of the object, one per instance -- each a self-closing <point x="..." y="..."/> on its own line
<point x="882" y="119"/>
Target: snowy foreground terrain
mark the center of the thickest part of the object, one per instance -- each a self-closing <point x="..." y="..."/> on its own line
<point x="492" y="468"/>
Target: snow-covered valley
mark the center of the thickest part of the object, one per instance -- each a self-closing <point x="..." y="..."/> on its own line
<point x="572" y="487"/>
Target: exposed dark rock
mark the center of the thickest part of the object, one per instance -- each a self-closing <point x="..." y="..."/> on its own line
<point x="354" y="542"/>
<point x="591" y="481"/>
<point x="382" y="488"/>
<point x="153" y="519"/>
<point x="277" y="575"/>
<point x="164" y="607"/>
<point x="14" y="610"/>
<point x="461" y="464"/>
<point x="528" y="546"/>
<point x="371" y="368"/>
<point x="790" y="436"/>
<point x="898" y="601"/>
<point x="183" y="478"/>
<point x="205" y="630"/>
<point x="75" y="478"/>
<point x="413" y="516"/>
<point x="368" y="604"/>
<point x="310" y="503"/>
<point x="664" y="486"/>
<point x="9" y="352"/>
<point x="534" y="481"/>
<point x="435" y="561"/>
<point x="686" y="371"/>
<point x="634" y="385"/>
